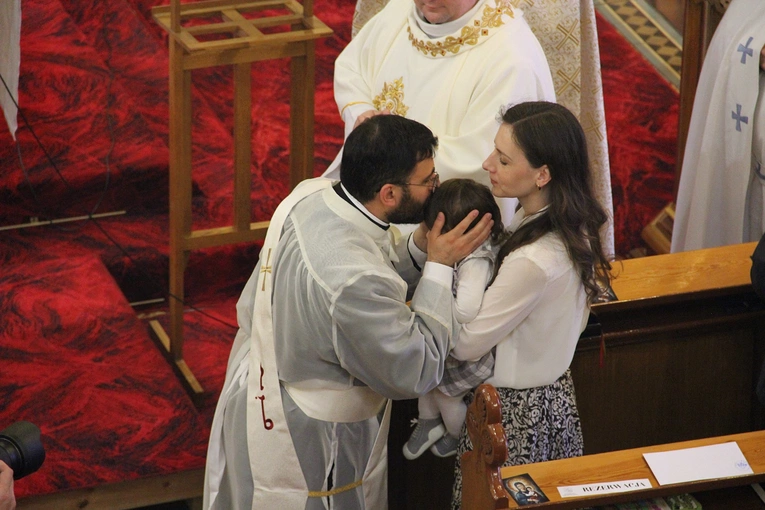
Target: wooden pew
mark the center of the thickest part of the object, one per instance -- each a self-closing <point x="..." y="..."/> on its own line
<point x="482" y="477"/>
<point x="677" y="356"/>
<point x="480" y="467"/>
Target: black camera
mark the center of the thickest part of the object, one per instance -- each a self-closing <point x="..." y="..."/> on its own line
<point x="21" y="448"/>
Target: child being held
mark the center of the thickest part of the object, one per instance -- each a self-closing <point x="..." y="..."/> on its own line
<point x="442" y="410"/>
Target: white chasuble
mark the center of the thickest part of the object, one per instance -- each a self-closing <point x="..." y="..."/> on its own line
<point x="454" y="78"/>
<point x="718" y="171"/>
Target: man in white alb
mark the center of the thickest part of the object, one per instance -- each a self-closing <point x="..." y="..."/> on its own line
<point x="720" y="198"/>
<point x="326" y="336"/>
<point x="450" y="64"/>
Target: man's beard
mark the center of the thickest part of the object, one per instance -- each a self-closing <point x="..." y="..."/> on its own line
<point x="409" y="210"/>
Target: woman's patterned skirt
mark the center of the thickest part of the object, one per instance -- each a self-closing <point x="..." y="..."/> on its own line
<point x="540" y="424"/>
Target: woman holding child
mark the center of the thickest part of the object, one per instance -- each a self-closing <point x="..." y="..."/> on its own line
<point x="546" y="277"/>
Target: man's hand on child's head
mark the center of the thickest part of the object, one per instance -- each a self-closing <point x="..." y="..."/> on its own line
<point x="455" y="245"/>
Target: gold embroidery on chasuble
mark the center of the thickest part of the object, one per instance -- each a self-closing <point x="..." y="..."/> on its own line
<point x="392" y="98"/>
<point x="469" y="35"/>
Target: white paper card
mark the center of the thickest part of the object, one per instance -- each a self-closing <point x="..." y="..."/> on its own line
<point x="590" y="489"/>
<point x="700" y="463"/>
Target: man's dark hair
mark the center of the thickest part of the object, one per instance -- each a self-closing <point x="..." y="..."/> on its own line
<point x="383" y="150"/>
<point x="456" y="198"/>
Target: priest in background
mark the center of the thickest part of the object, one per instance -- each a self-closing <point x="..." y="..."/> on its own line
<point x="722" y="184"/>
<point x="453" y="64"/>
<point x="449" y="64"/>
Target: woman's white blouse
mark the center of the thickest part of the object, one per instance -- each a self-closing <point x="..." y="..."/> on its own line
<point x="533" y="313"/>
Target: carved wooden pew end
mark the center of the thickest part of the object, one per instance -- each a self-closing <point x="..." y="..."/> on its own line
<point x="482" y="486"/>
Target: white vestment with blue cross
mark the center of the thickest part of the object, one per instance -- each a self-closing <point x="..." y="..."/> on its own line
<point x="720" y="196"/>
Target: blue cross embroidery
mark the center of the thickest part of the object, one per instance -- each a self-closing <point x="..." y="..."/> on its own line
<point x="739" y="118"/>
<point x="745" y="50"/>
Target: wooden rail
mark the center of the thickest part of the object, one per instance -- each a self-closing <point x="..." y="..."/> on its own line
<point x="630" y="465"/>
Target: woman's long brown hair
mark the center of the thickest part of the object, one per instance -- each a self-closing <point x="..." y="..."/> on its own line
<point x="549" y="134"/>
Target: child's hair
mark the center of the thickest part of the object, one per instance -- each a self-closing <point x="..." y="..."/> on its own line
<point x="456" y="198"/>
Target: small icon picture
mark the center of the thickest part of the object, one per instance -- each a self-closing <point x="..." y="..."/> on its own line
<point x="524" y="491"/>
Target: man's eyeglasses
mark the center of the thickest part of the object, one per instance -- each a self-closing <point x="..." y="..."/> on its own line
<point x="432" y="183"/>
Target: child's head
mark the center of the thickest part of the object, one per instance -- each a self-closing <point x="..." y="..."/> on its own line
<point x="456" y="198"/>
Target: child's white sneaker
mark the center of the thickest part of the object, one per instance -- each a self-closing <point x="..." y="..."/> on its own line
<point x="425" y="434"/>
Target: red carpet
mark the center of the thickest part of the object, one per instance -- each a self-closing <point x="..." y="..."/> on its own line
<point x="641" y="120"/>
<point x="79" y="364"/>
<point x="76" y="360"/>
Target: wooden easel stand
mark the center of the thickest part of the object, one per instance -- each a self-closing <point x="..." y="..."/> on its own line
<point x="235" y="33"/>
